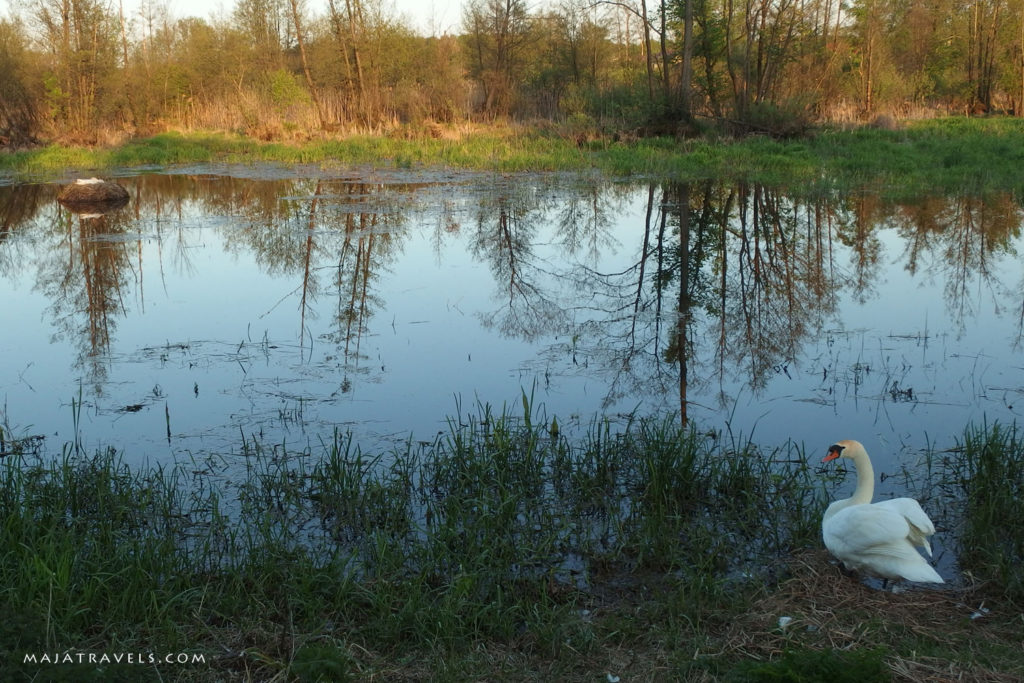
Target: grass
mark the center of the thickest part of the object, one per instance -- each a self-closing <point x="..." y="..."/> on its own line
<point x="955" y="154"/>
<point x="979" y="486"/>
<point x="501" y="550"/>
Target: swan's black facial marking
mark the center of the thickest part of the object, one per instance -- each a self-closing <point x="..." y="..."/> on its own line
<point x="834" y="451"/>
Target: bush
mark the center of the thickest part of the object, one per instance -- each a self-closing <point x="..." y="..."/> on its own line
<point x="783" y="121"/>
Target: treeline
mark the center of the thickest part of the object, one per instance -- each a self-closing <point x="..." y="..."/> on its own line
<point x="90" y="71"/>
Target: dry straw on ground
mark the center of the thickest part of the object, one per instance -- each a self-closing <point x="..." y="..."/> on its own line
<point x="831" y="610"/>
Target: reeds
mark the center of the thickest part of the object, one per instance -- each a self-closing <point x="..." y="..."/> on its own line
<point x="979" y="487"/>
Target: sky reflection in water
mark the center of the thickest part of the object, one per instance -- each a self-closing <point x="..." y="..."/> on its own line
<point x="226" y="302"/>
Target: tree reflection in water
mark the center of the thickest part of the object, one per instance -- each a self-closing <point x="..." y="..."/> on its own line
<point x="653" y="296"/>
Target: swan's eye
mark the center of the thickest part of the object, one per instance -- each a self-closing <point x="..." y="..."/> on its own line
<point x="836" y="448"/>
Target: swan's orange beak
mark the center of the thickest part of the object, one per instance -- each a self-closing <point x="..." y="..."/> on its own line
<point x="833" y="453"/>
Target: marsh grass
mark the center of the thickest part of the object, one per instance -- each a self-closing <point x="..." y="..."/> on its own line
<point x="978" y="485"/>
<point x="502" y="549"/>
<point x="951" y="155"/>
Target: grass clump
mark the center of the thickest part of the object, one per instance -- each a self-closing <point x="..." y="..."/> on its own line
<point x="992" y="478"/>
<point x="979" y="486"/>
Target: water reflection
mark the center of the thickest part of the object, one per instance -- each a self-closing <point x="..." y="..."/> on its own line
<point x="307" y="302"/>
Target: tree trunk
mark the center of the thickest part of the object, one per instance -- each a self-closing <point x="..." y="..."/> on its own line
<point x="647" y="49"/>
<point x="352" y="9"/>
<point x="128" y="90"/>
<point x="336" y="27"/>
<point x="305" y="64"/>
<point x="686" y="77"/>
<point x="665" y="84"/>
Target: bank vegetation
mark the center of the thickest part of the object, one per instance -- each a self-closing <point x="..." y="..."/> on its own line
<point x="96" y="71"/>
<point x="500" y="551"/>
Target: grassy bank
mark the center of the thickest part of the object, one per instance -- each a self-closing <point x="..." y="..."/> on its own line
<point x="975" y="155"/>
<point x="501" y="551"/>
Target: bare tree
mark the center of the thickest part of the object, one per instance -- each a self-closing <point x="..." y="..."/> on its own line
<point x="305" y="63"/>
<point x="498" y="32"/>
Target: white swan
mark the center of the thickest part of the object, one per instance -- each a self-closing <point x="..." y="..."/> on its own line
<point x="880" y="538"/>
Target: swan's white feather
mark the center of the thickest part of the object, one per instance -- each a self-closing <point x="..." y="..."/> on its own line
<point x="921" y="526"/>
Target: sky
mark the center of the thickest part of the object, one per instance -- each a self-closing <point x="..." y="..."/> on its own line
<point x="428" y="16"/>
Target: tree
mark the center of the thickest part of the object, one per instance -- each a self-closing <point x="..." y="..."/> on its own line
<point x="82" y="39"/>
<point x="983" y="50"/>
<point x="686" y="77"/>
<point x="571" y="60"/>
<point x="305" y="63"/>
<point x="264" y="22"/>
<point x="348" y="30"/>
<point x="19" y="88"/>
<point x="497" y="33"/>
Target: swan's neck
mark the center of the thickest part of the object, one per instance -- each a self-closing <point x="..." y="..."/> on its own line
<point x="865" y="480"/>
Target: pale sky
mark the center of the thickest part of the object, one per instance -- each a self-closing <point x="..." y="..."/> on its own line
<point x="429" y="16"/>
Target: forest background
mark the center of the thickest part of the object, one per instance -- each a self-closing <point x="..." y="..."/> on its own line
<point x="90" y="72"/>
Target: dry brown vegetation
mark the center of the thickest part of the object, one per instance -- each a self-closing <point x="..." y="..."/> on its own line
<point x="833" y="610"/>
<point x="939" y="635"/>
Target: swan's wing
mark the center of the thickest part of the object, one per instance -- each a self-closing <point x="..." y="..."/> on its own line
<point x="863" y="529"/>
<point x="921" y="526"/>
<point x="876" y="539"/>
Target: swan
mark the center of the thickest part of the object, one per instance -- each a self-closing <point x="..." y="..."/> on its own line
<point x="880" y="538"/>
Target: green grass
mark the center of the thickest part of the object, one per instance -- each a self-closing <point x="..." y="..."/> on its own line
<point x="979" y="486"/>
<point x="950" y="155"/>
<point x="499" y="550"/>
<point x="861" y="666"/>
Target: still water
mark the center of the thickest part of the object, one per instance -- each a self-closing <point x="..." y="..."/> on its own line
<point x="224" y="304"/>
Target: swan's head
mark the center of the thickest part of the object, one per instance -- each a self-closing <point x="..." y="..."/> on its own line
<point x="847" y="448"/>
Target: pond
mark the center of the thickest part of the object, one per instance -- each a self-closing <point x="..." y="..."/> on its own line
<point x="227" y="303"/>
